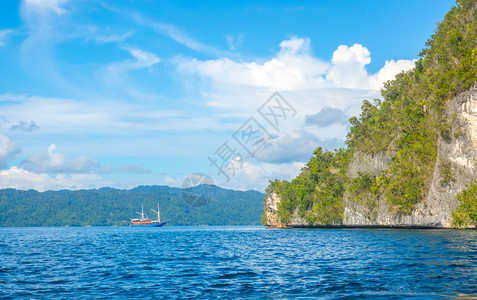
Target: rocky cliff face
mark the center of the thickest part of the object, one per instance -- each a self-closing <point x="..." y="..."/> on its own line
<point x="271" y="209"/>
<point x="455" y="168"/>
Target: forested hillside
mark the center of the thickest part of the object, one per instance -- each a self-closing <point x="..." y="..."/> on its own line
<point x="403" y="130"/>
<point x="107" y="206"/>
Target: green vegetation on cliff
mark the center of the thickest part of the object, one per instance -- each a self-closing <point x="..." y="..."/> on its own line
<point x="318" y="191"/>
<point x="407" y="122"/>
<point x="467" y="211"/>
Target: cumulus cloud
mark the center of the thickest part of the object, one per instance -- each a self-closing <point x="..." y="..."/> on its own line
<point x="54" y="162"/>
<point x="326" y="117"/>
<point x="25" y="126"/>
<point x="309" y="82"/>
<point x="8" y="149"/>
<point x="295" y="68"/>
<point x="390" y="69"/>
<point x="22" y="179"/>
<point x="292" y="68"/>
<point x="348" y="67"/>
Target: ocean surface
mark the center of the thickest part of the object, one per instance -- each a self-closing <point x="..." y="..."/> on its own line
<point x="237" y="262"/>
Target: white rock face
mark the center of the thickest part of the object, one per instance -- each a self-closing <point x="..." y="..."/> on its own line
<point x="459" y="152"/>
<point x="272" y="209"/>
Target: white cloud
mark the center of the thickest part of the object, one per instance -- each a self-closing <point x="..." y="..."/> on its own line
<point x="19" y="178"/>
<point x="47" y="6"/>
<point x="46" y="25"/>
<point x="293" y="68"/>
<point x="67" y="116"/>
<point x="234" y="41"/>
<point x="180" y="37"/>
<point x="296" y="146"/>
<point x="257" y="176"/>
<point x="143" y="59"/>
<point x="177" y="35"/>
<point x="238" y="88"/>
<point x="295" y="45"/>
<point x="390" y="69"/>
<point x="116" y="73"/>
<point x="8" y="149"/>
<point x="54" y="162"/>
<point x="3" y="35"/>
<point x="174" y="182"/>
<point x="252" y="176"/>
<point x="348" y="67"/>
<point x="113" y="37"/>
<point x="351" y="55"/>
<point x="309" y="83"/>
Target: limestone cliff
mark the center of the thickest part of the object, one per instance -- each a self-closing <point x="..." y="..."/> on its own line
<point x="411" y="156"/>
<point x="455" y="168"/>
<point x="457" y="154"/>
<point x="271" y="209"/>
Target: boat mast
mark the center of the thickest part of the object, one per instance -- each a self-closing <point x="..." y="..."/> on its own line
<point x="158" y="213"/>
<point x="142" y="212"/>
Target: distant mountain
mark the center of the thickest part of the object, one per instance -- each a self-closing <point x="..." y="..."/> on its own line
<point x="108" y="206"/>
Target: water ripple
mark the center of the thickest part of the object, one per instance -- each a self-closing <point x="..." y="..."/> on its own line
<point x="236" y="262"/>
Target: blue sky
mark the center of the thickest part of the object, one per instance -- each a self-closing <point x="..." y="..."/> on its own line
<point x="124" y="93"/>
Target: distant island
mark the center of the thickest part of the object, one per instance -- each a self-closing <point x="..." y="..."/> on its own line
<point x="115" y="207"/>
<point x="411" y="158"/>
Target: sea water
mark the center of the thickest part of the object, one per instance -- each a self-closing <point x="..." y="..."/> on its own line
<point x="236" y="262"/>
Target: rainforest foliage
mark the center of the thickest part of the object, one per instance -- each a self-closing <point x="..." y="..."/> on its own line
<point x="406" y="122"/>
<point x="107" y="206"/>
<point x="467" y="211"/>
<point x="317" y="193"/>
